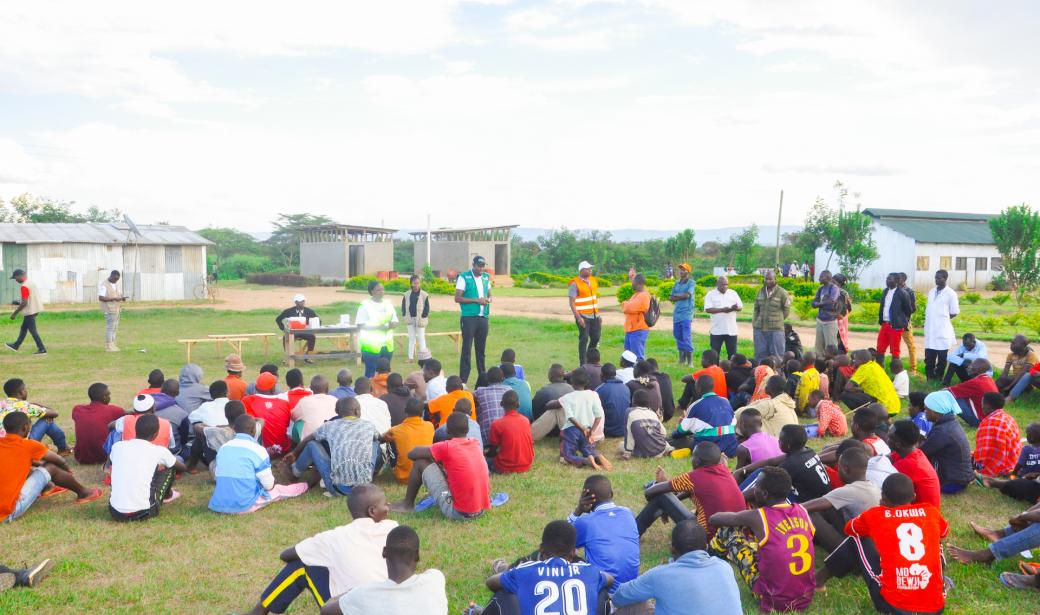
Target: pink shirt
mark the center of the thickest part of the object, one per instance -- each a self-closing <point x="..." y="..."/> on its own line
<point x="762" y="446"/>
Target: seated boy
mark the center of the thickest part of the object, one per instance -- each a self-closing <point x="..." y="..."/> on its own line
<point x="778" y="571"/>
<point x="511" y="449"/>
<point x="581" y="407"/>
<point x="709" y="412"/>
<point x="344" y="452"/>
<point x="645" y="435"/>
<point x="17" y="401"/>
<point x="917" y="414"/>
<point x="830" y="420"/>
<point x="142" y="474"/>
<point x="1026" y="486"/>
<point x="997" y="441"/>
<point x="245" y="483"/>
<point x="807" y="473"/>
<point x="337" y="560"/>
<point x="462" y="406"/>
<point x="92" y="421"/>
<point x="413" y="431"/>
<point x="792" y="342"/>
<point x="757" y="444"/>
<point x="509" y="356"/>
<point x="454" y="472"/>
<point x="274" y="410"/>
<point x="208" y="440"/>
<point x="577" y="450"/>
<point x="27" y="469"/>
<point x="831" y="511"/>
<point x="900" y="378"/>
<point x="909" y="460"/>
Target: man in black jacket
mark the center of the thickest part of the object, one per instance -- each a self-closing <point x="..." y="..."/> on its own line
<point x="299" y="309"/>
<point x="893" y="316"/>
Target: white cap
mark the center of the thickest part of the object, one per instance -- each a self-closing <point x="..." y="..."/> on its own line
<point x="143" y="403"/>
<point x="584" y="265"/>
<point x="298" y="298"/>
<point x="630" y="356"/>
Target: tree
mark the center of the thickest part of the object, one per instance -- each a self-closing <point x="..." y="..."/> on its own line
<point x="741" y="250"/>
<point x="1016" y="233"/>
<point x="26" y="208"/>
<point x="229" y="241"/>
<point x="680" y="247"/>
<point x="284" y="243"/>
<point x="849" y="235"/>
<point x="711" y="249"/>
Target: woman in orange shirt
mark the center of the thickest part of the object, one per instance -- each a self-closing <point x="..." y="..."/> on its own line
<point x="636" y="330"/>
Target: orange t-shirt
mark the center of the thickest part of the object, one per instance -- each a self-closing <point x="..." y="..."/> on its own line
<point x="408" y="434"/>
<point x="236" y="387"/>
<point x="717" y="375"/>
<point x="17" y="455"/>
<point x="379" y="385"/>
<point x="444" y="405"/>
<point x="634" y="310"/>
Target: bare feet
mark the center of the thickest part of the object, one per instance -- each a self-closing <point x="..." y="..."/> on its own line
<point x="982" y="556"/>
<point x="592" y="462"/>
<point x="603" y="461"/>
<point x="401" y="507"/>
<point x="990" y="535"/>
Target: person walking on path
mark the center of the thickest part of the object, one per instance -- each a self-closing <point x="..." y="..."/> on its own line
<point x="583" y="295"/>
<point x="772" y="308"/>
<point x="938" y="329"/>
<point x="30" y="305"/>
<point x="828" y="305"/>
<point x="473" y="294"/>
<point x="415" y="310"/>
<point x="723" y="303"/>
<point x="111" y="296"/>
<point x="908" y="332"/>
<point x="636" y="329"/>
<point x="682" y="296"/>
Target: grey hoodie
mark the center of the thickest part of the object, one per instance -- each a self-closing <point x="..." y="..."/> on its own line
<point x="193" y="392"/>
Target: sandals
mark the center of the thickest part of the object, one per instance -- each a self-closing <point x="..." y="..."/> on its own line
<point x="96" y="494"/>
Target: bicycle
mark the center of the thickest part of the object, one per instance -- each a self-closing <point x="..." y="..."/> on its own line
<point x="206" y="290"/>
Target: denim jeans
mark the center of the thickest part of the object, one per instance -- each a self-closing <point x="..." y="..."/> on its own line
<point x="1021" y="386"/>
<point x="768" y="344"/>
<point x="1014" y="542"/>
<point x="43" y="427"/>
<point x="317" y="455"/>
<point x="681" y="331"/>
<point x="636" y="342"/>
<point x="371" y="358"/>
<point x="34" y="485"/>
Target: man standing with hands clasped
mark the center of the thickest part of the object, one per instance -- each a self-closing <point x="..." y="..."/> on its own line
<point x="584" y="300"/>
<point x="30" y="305"/>
<point x="723" y="304"/>
<point x="473" y="294"/>
<point x="110" y="296"/>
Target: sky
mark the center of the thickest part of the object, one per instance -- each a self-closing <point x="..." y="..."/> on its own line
<point x="660" y="114"/>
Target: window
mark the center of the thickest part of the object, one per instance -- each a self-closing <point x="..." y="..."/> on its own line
<point x="944" y="262"/>
<point x="923" y="263"/>
<point x="980" y="263"/>
<point x="996" y="263"/>
<point x="962" y="263"/>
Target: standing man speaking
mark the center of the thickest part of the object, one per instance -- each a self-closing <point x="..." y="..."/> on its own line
<point x="111" y="297"/>
<point x="29" y="307"/>
<point x="584" y="299"/>
<point x="772" y="307"/>
<point x="473" y="294"/>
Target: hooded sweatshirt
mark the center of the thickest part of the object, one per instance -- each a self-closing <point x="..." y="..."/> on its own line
<point x="193" y="393"/>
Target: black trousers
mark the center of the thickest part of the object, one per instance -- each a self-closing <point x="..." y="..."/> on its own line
<point x="1027" y="490"/>
<point x="294" y="579"/>
<point x="664" y="504"/>
<point x="860" y="556"/>
<point x="200" y="451"/>
<point x="830" y="528"/>
<point x="474" y="339"/>
<point x="961" y="372"/>
<point x="716" y="342"/>
<point x="29" y="327"/>
<point x="162" y="483"/>
<point x="934" y="363"/>
<point x="588" y="336"/>
<point x="855" y="400"/>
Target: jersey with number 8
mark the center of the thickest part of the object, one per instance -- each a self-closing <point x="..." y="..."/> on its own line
<point x="785" y="559"/>
<point x="907" y="539"/>
<point x="555" y="587"/>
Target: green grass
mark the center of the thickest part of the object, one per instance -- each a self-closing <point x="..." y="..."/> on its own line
<point x="192" y="561"/>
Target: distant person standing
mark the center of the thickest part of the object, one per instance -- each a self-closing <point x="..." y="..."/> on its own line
<point x="772" y="308"/>
<point x="30" y="305"/>
<point x="908" y="332"/>
<point x="723" y="303"/>
<point x="844" y="309"/>
<point x="415" y="310"/>
<point x="682" y="296"/>
<point x="631" y="274"/>
<point x="583" y="295"/>
<point x="635" y="309"/>
<point x="111" y="296"/>
<point x="805" y="271"/>
<point x="893" y="316"/>
<point x="473" y="294"/>
<point x="938" y="329"/>
<point x="828" y="305"/>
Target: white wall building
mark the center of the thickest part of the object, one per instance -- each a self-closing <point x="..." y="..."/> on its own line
<point x="922" y="242"/>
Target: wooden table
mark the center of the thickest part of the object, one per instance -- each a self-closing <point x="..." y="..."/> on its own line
<point x="350" y="332"/>
<point x="264" y="336"/>
<point x="234" y="342"/>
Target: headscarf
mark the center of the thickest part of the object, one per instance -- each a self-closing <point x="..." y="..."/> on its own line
<point x="942" y="402"/>
<point x="193" y="393"/>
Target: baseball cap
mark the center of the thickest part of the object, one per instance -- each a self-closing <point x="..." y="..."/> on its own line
<point x="479" y="260"/>
<point x="17" y="272"/>
<point x="298" y="298"/>
<point x="266" y="381"/>
<point x="685" y="266"/>
<point x="584" y="265"/>
<point x="143" y="403"/>
<point x="630" y="356"/>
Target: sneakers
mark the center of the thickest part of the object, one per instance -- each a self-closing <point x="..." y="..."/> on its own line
<point x="24" y="577"/>
<point x="41" y="352"/>
<point x="11" y="347"/>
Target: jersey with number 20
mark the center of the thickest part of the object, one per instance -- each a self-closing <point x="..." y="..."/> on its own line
<point x="555" y="586"/>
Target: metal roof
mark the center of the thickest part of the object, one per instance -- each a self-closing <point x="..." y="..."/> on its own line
<point x="348" y="227"/>
<point x="103" y="233"/>
<point x="936" y="227"/>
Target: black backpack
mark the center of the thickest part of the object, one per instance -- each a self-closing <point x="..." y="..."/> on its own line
<point x="653" y="313"/>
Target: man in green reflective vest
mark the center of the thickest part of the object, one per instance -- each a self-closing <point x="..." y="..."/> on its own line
<point x="473" y="294"/>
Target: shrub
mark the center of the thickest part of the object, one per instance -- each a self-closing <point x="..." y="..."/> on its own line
<point x="282" y="279"/>
<point x="525" y="283"/>
<point x="707" y="281"/>
<point x="1001" y="298"/>
<point x="664" y="291"/>
<point x="624" y="292"/>
<point x="1013" y="318"/>
<point x="359" y="282"/>
<point x="438" y="286"/>
<point x="863" y="294"/>
<point x="240" y="265"/>
<point x="797" y="288"/>
<point x="1033" y="322"/>
<point x="999" y="282"/>
<point x="803" y="307"/>
<point x="963" y="286"/>
<point x="746" y="292"/>
<point x="397" y="285"/>
<point x="972" y="298"/>
<point x="988" y="323"/>
<point x="864" y="313"/>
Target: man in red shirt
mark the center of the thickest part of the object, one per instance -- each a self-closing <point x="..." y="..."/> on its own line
<point x="92" y="421"/>
<point x="511" y="449"/>
<point x="998" y="442"/>
<point x="455" y="473"/>
<point x="896" y="547"/>
<point x="909" y="460"/>
<point x="275" y="412"/>
<point x="969" y="393"/>
<point x="710" y="486"/>
<point x="296" y="392"/>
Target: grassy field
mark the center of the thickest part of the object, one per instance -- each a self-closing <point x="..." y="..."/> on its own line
<point x="192" y="561"/>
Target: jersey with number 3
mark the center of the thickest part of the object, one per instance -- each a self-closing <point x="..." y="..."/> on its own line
<point x="786" y="581"/>
<point x="555" y="587"/>
<point x="907" y="539"/>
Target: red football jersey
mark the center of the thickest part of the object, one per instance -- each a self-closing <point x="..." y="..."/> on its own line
<point x="907" y="539"/>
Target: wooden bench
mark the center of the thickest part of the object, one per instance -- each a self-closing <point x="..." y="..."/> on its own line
<point x="234" y="342"/>
<point x="264" y="336"/>
<point x="455" y="336"/>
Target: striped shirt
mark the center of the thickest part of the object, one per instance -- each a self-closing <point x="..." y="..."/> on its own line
<point x="243" y="473"/>
<point x="489" y="407"/>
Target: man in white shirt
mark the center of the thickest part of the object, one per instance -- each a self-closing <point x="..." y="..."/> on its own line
<point x="723" y="304"/>
<point x="938" y="328"/>
<point x="373" y="409"/>
<point x="142" y="474"/>
<point x="211" y="413"/>
<point x="627" y="366"/>
<point x="313" y="410"/>
<point x="335" y="561"/>
<point x="962" y="358"/>
<point x="436" y="383"/>
<point x="111" y="296"/>
<point x="405" y="592"/>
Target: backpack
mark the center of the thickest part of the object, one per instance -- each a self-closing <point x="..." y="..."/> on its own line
<point x="653" y="313"/>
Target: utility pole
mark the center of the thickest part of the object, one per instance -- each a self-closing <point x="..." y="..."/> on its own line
<point x="428" y="238"/>
<point x="779" y="215"/>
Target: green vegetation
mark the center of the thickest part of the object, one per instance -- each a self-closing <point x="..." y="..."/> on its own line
<point x="1016" y="232"/>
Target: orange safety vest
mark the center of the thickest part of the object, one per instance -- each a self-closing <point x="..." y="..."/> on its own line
<point x="587" y="301"/>
<point x="161" y="439"/>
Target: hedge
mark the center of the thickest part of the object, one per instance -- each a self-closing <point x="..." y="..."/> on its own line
<point x="541" y="279"/>
<point x="283" y="279"/>
<point x="400" y="285"/>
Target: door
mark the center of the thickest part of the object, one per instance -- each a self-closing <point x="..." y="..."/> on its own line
<point x="502" y="259"/>
<point x="357" y="261"/>
<point x="15" y="257"/>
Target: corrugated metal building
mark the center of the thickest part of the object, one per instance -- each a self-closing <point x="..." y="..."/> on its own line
<point x="67" y="261"/>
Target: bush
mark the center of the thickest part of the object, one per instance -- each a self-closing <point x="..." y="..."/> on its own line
<point x="359" y="282"/>
<point x="864" y="313"/>
<point x="988" y="323"/>
<point x="803" y="307"/>
<point x="972" y="298"/>
<point x="746" y="292"/>
<point x="708" y="281"/>
<point x="797" y="288"/>
<point x="1013" y="318"/>
<point x="1033" y="322"/>
<point x="436" y="286"/>
<point x="240" y="265"/>
<point x="439" y="287"/>
<point x="864" y="294"/>
<point x="624" y="292"/>
<point x="664" y="291"/>
<point x="282" y="279"/>
<point x="999" y="282"/>
<point x="397" y="285"/>
<point x="1001" y="298"/>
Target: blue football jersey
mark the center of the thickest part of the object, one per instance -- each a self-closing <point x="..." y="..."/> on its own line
<point x="555" y="586"/>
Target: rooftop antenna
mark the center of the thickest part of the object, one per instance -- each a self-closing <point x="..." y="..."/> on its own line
<point x="136" y="233"/>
